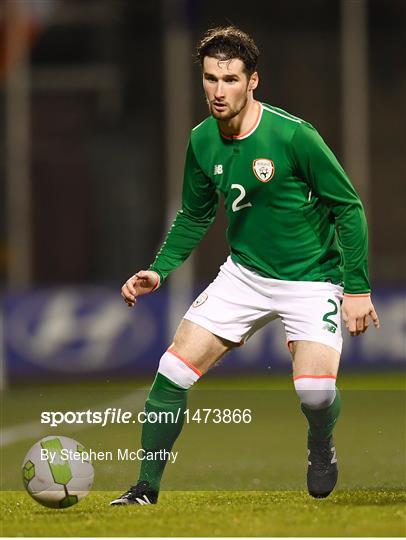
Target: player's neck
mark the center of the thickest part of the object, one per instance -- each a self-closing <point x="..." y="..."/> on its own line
<point x="243" y="122"/>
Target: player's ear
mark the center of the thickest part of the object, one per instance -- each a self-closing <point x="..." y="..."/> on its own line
<point x="254" y="80"/>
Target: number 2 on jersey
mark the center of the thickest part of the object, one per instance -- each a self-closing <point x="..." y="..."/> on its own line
<point x="239" y="198"/>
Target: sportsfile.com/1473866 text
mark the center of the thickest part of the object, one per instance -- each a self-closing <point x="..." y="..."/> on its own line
<point x="113" y="415"/>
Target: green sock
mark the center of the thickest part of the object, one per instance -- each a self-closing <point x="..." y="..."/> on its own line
<point x="322" y="421"/>
<point x="164" y="396"/>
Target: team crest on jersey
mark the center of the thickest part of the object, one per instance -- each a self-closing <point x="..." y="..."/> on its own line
<point x="201" y="299"/>
<point x="263" y="168"/>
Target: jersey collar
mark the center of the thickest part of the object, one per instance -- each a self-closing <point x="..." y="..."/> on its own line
<point x="250" y="131"/>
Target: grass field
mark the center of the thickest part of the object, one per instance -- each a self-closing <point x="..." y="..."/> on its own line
<point x="229" y="480"/>
<point x="351" y="513"/>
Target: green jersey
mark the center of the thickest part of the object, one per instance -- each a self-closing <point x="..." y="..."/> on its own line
<point x="293" y="213"/>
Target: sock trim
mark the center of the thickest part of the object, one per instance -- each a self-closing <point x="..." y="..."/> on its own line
<point x="191" y="366"/>
<point x="314" y="377"/>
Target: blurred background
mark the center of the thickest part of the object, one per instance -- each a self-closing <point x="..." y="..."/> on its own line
<point x="97" y="98"/>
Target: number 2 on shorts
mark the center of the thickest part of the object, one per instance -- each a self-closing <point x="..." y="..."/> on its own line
<point x="326" y="317"/>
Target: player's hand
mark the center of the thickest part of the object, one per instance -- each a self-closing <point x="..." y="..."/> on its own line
<point x="357" y="312"/>
<point x="143" y="282"/>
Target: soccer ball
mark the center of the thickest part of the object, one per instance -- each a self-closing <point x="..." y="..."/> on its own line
<point x="56" y="473"/>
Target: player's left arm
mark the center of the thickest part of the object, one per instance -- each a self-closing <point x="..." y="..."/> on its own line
<point x="317" y="164"/>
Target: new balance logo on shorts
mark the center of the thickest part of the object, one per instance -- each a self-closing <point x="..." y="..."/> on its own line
<point x="330" y="328"/>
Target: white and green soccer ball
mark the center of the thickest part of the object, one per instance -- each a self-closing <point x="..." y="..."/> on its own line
<point x="55" y="473"/>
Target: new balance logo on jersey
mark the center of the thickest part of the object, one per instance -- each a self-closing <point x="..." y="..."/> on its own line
<point x="218" y="169"/>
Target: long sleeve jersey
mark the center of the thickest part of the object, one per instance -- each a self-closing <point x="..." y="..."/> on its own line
<point x="293" y="213"/>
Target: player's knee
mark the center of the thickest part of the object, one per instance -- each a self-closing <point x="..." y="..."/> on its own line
<point x="178" y="370"/>
<point x="315" y="393"/>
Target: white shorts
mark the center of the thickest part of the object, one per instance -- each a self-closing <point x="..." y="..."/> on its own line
<point x="239" y="302"/>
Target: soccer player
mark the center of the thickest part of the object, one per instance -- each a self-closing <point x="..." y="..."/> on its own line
<point x="298" y="251"/>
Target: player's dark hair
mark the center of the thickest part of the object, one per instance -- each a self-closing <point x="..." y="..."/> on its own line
<point x="226" y="43"/>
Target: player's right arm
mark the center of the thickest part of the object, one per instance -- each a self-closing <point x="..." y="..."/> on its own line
<point x="143" y="282"/>
<point x="197" y="213"/>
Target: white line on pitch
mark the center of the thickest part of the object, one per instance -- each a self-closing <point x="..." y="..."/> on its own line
<point x="35" y="429"/>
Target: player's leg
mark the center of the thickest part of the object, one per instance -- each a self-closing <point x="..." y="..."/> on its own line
<point x="193" y="351"/>
<point x="310" y="312"/>
<point x="315" y="367"/>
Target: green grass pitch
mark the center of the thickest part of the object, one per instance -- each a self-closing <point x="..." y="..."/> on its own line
<point x="230" y="480"/>
<point x="348" y="513"/>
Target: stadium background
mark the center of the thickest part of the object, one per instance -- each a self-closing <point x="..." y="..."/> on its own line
<point x="96" y="101"/>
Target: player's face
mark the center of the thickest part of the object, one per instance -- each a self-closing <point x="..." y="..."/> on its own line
<point x="227" y="86"/>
